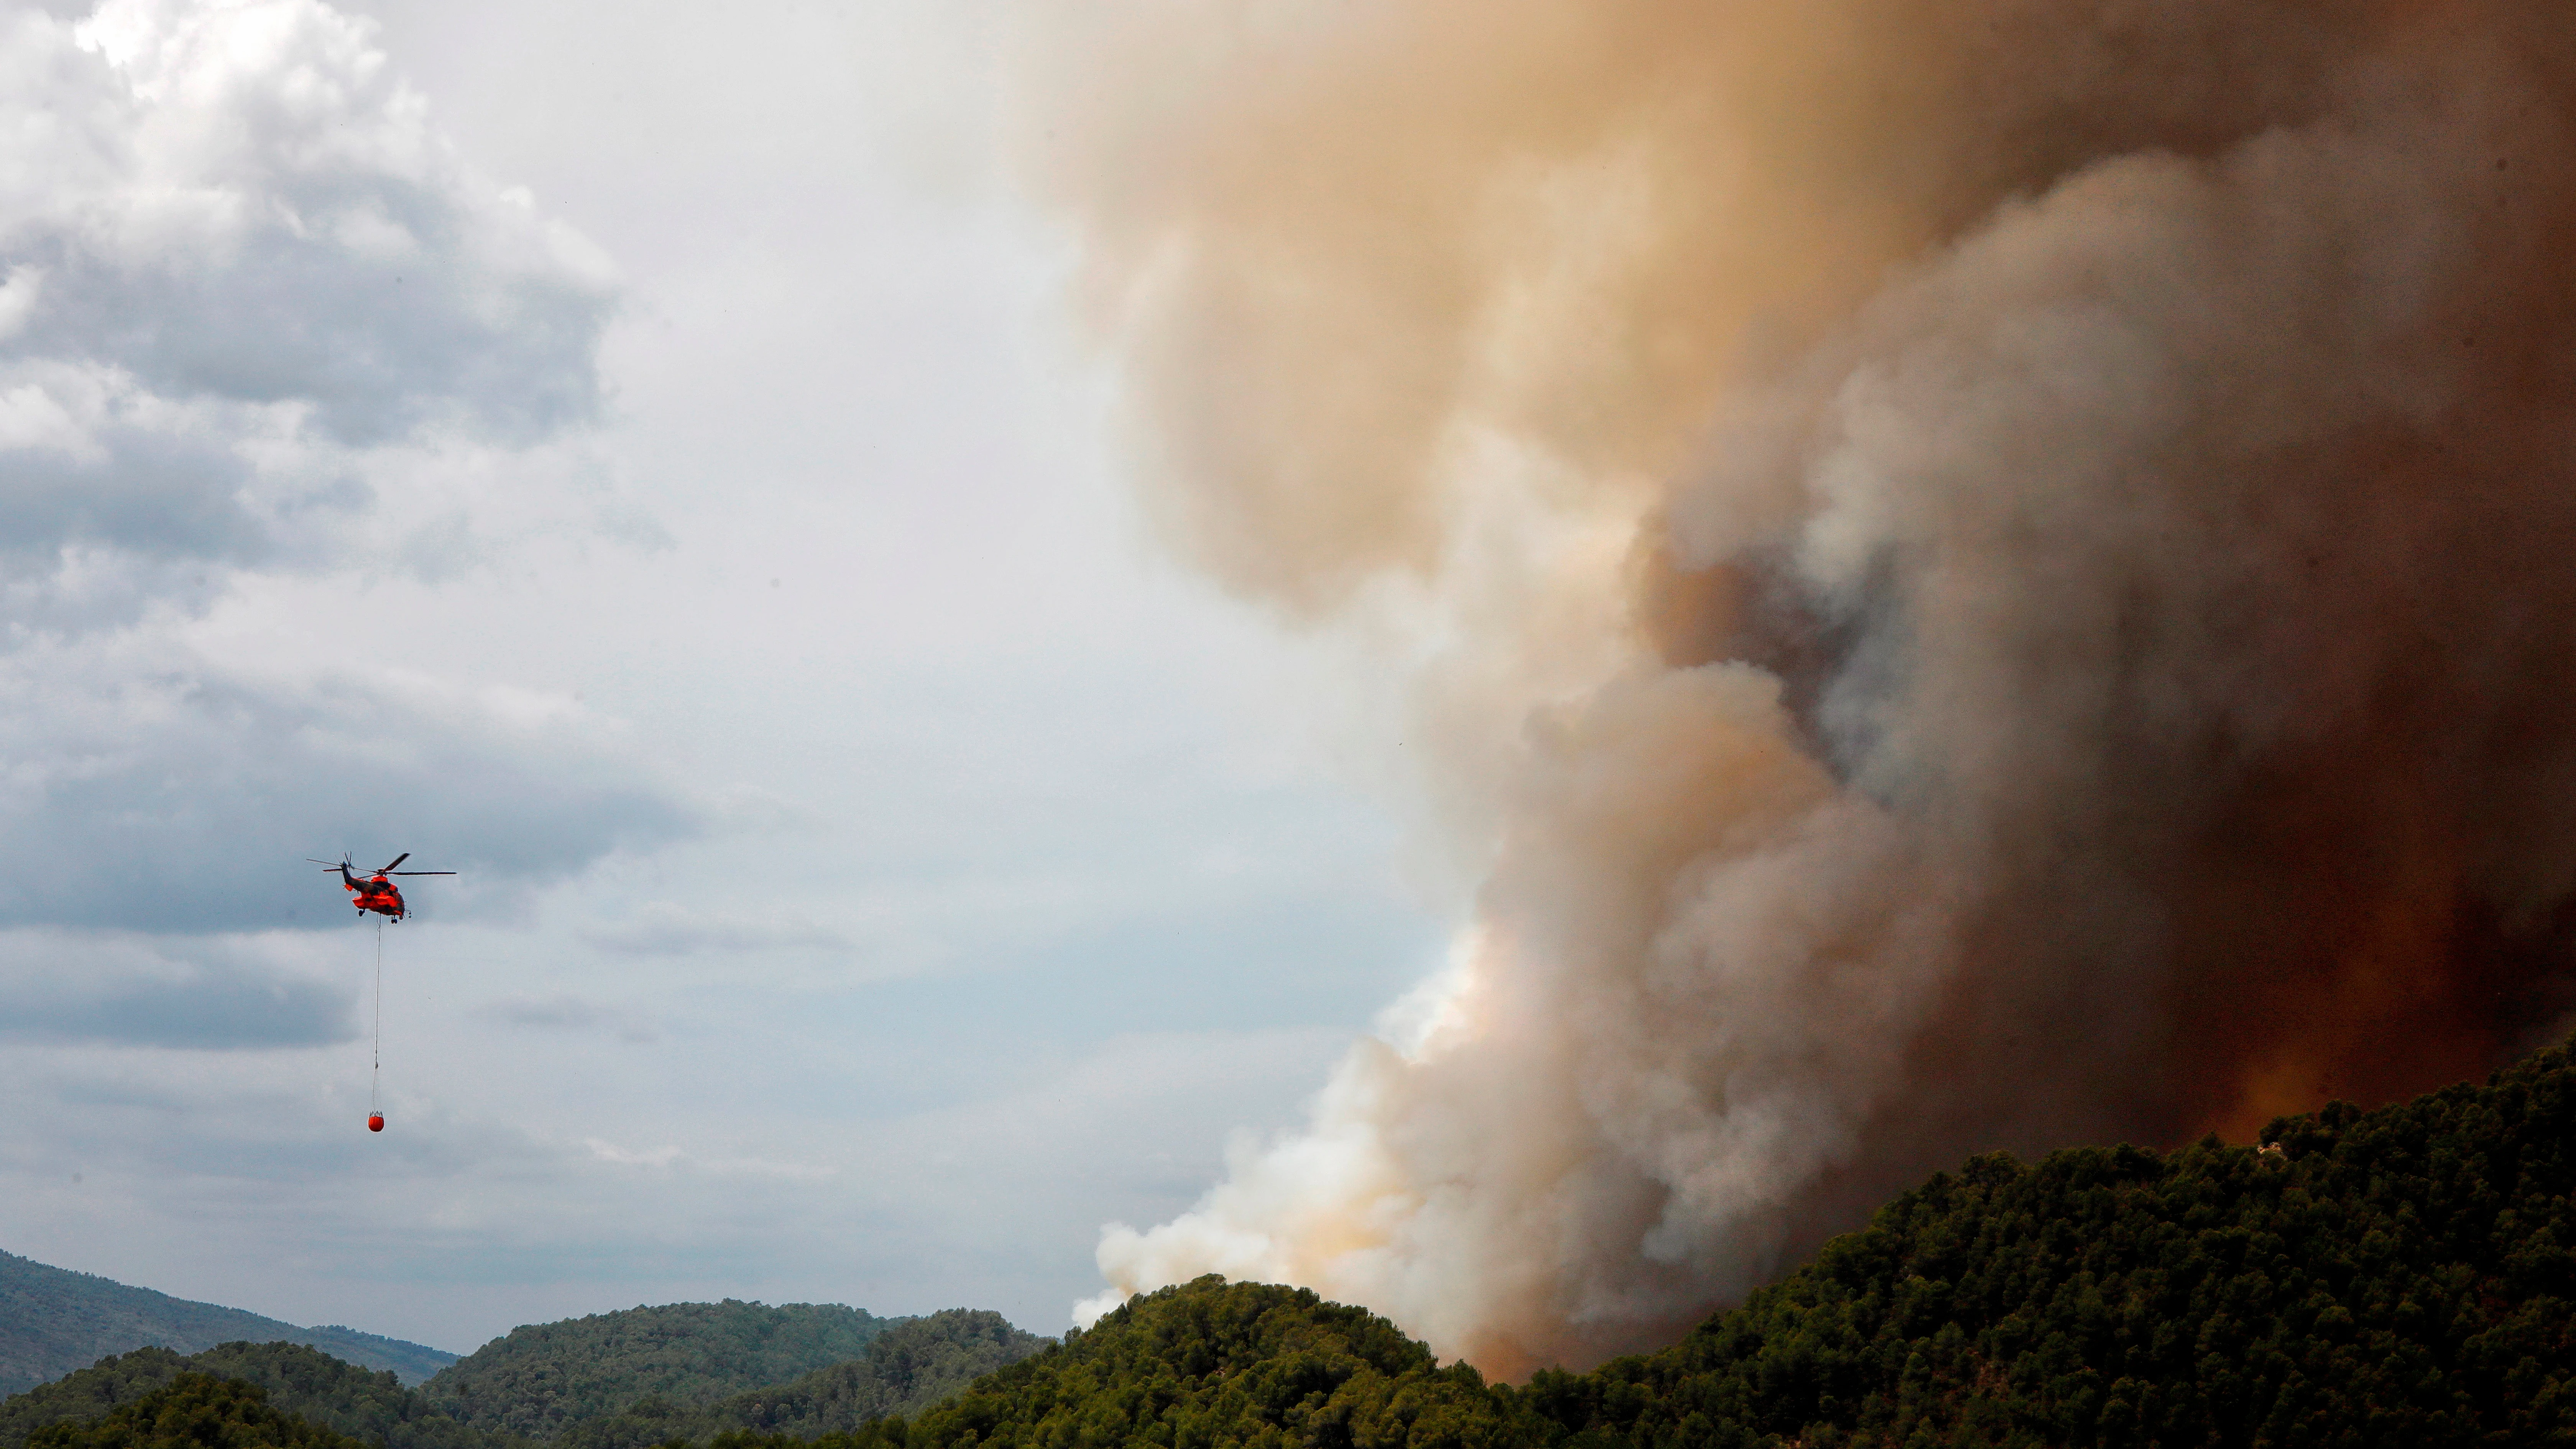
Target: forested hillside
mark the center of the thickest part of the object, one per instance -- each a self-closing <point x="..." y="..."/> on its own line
<point x="546" y="1377"/>
<point x="2398" y="1277"/>
<point x="1214" y="1363"/>
<point x="2391" y="1277"/>
<point x="367" y="1404"/>
<point x="905" y="1370"/>
<point x="53" y="1320"/>
<point x="195" y="1411"/>
<point x="612" y="1381"/>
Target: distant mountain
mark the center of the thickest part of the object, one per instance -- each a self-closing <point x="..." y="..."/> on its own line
<point x="367" y="1404"/>
<point x="625" y="1380"/>
<point x="53" y="1320"/>
<point x="546" y="1377"/>
<point x="196" y="1411"/>
<point x="906" y="1369"/>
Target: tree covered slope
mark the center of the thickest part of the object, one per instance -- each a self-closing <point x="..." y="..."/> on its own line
<point x="366" y="1404"/>
<point x="195" y="1411"/>
<point x="546" y="1377"/>
<point x="571" y="1375"/>
<point x="53" y="1320"/>
<point x="906" y="1369"/>
<point x="2398" y="1277"/>
<point x="2391" y="1277"/>
<point x="1212" y="1363"/>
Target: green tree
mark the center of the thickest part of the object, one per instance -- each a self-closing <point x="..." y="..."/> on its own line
<point x="543" y="1378"/>
<point x="370" y="1405"/>
<point x="194" y="1411"/>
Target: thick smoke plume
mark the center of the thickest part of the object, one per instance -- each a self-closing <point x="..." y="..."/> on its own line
<point x="1987" y="573"/>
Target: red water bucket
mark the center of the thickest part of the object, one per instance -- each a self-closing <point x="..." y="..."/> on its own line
<point x="376" y="1122"/>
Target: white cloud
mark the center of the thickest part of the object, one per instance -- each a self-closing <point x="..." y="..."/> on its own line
<point x="257" y="319"/>
<point x="234" y="260"/>
<point x="18" y="298"/>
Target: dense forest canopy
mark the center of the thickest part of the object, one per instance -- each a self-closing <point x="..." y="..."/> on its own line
<point x="2391" y="1277"/>
<point x="195" y="1411"/>
<point x="906" y="1365"/>
<point x="906" y="1369"/>
<point x="543" y="1378"/>
<point x="366" y="1404"/>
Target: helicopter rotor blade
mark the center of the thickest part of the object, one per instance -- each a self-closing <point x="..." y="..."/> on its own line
<point x="418" y="872"/>
<point x="397" y="860"/>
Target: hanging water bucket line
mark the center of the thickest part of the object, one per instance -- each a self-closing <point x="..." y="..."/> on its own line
<point x="376" y="1077"/>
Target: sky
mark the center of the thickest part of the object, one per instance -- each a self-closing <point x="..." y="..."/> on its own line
<point x="644" y="459"/>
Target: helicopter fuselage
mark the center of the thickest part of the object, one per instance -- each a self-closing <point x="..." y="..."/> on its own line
<point x="376" y="894"/>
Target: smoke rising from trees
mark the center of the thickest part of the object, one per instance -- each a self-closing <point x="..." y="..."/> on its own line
<point x="1983" y="575"/>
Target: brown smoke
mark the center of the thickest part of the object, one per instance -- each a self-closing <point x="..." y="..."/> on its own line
<point x="1986" y="575"/>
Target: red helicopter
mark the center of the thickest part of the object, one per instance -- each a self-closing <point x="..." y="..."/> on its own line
<point x="377" y="893"/>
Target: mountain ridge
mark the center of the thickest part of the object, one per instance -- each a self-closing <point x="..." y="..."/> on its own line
<point x="541" y="1378"/>
<point x="907" y="1365"/>
<point x="906" y="1369"/>
<point x="56" y="1320"/>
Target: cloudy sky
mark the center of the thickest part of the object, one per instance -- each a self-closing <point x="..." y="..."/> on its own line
<point x="640" y="457"/>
